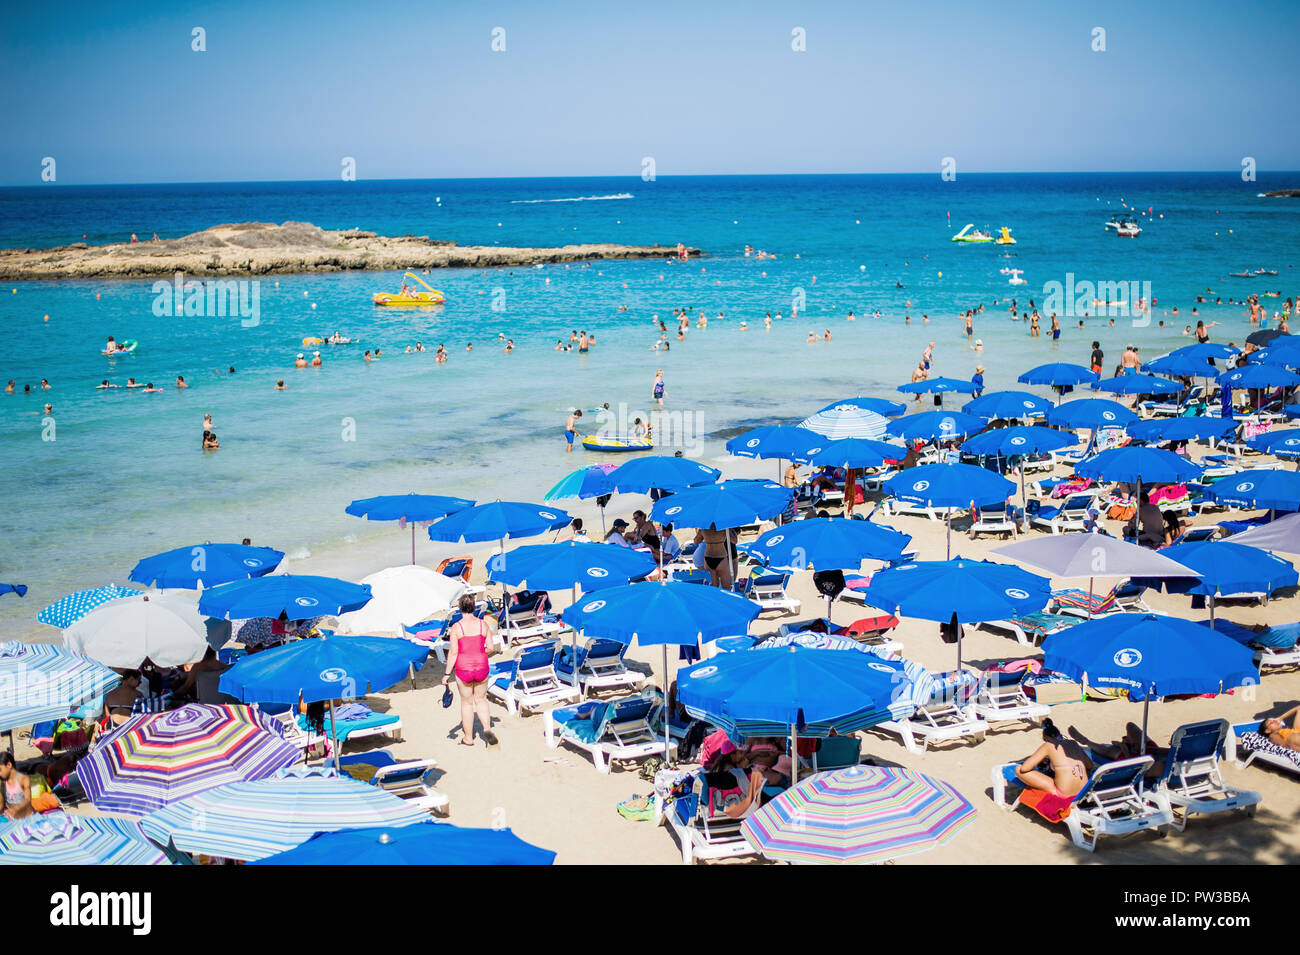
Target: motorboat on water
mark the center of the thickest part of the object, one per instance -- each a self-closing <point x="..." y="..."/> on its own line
<point x="409" y="296"/>
<point x="1121" y="222"/>
<point x="1128" y="230"/>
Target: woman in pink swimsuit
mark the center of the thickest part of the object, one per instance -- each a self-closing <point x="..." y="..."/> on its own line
<point x="470" y="641"/>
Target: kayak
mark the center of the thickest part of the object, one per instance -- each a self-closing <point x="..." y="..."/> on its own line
<point x="598" y="443"/>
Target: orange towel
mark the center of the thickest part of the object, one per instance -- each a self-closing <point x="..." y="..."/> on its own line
<point x="1050" y="806"/>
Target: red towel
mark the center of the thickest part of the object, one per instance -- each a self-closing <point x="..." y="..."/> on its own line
<point x="1050" y="806"/>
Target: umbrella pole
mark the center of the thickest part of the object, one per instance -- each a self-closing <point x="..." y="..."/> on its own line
<point x="794" y="755"/>
<point x="667" y="742"/>
<point x="412" y="542"/>
<point x="1211" y="611"/>
<point x="334" y="743"/>
<point x="948" y="545"/>
<point x="1146" y="709"/>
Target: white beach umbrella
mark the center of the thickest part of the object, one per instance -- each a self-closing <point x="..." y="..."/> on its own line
<point x="1282" y="534"/>
<point x="846" y="421"/>
<point x="401" y="596"/>
<point x="167" y="628"/>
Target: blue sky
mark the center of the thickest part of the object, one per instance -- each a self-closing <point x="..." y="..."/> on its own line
<point x="414" y="90"/>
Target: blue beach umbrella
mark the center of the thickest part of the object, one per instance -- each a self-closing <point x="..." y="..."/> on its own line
<point x="1263" y="489"/>
<point x="1150" y="655"/>
<point x="1260" y="376"/>
<point x="958" y="591"/>
<point x="66" y="611"/>
<point x="792" y="690"/>
<point x="1137" y="385"/>
<point x="568" y="564"/>
<point x="1016" y="442"/>
<point x="583" y="484"/>
<point x="19" y="589"/>
<point x="1207" y="351"/>
<point x="949" y="486"/>
<point x="412" y="508"/>
<point x="1285" y="357"/>
<point x="881" y="406"/>
<point x="660" y="472"/>
<point x="936" y="426"/>
<point x="1280" y="444"/>
<point x="829" y="543"/>
<point x="782" y="441"/>
<point x="40" y="681"/>
<point x="1091" y="413"/>
<point x="1226" y="568"/>
<point x="1058" y="374"/>
<point x="846" y="421"/>
<point x="1182" y="366"/>
<point x="1007" y="404"/>
<point x="937" y="386"/>
<point x="424" y="843"/>
<point x="857" y="453"/>
<point x="205" y="565"/>
<point x="734" y="503"/>
<point x="253" y="820"/>
<point x="669" y="613"/>
<point x="1139" y="464"/>
<point x="497" y="520"/>
<point x="60" y="838"/>
<point x="299" y="596"/>
<point x="1198" y="428"/>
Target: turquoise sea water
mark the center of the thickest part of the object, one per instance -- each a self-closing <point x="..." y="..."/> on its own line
<point x="124" y="475"/>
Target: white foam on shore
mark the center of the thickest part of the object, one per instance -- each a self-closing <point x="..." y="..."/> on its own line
<point x="620" y="195"/>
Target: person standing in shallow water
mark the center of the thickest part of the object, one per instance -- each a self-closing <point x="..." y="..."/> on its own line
<point x="657" y="392"/>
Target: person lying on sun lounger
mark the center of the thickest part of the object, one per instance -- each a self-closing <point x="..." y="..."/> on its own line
<point x="727" y="779"/>
<point x="1067" y="762"/>
<point x="1278" y="732"/>
<point x="1127" y="748"/>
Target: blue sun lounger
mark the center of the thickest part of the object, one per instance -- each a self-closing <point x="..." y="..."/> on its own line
<point x="1274" y="646"/>
<point x="625" y="729"/>
<point x="529" y="681"/>
<point x="600" y="666"/>
<point x="1192" y="779"/>
<point x="1245" y="745"/>
<point x="408" y="779"/>
<point x="1112" y="802"/>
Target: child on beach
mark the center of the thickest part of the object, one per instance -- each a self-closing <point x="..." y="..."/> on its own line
<point x="657" y="392"/>
<point x="571" y="429"/>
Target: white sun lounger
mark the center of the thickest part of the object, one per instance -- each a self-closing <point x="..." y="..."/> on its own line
<point x="618" y="730"/>
<point x="1001" y="698"/>
<point x="1245" y="745"/>
<point x="1192" y="780"/>
<point x="703" y="831"/>
<point x="529" y="682"/>
<point x="944" y="712"/>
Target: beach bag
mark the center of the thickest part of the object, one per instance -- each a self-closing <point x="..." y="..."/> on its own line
<point x="637" y="808"/>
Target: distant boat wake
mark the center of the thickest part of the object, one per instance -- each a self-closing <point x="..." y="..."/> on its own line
<point x="621" y="195"/>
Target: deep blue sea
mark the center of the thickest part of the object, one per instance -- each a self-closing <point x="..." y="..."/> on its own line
<point x="117" y="475"/>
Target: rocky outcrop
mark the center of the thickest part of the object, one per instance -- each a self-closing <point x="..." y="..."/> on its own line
<point x="1283" y="193"/>
<point x="264" y="248"/>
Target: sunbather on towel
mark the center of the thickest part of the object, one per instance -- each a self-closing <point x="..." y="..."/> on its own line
<point x="1278" y="732"/>
<point x="1127" y="748"/>
<point x="1069" y="765"/>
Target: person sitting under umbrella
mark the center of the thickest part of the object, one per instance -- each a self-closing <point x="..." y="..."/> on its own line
<point x="732" y="791"/>
<point x="1148" y="524"/>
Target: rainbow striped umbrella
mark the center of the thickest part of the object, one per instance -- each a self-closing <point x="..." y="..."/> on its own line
<point x="60" y="839"/>
<point x="155" y="759"/>
<point x="40" y="682"/>
<point x="254" y="820"/>
<point x="858" y="815"/>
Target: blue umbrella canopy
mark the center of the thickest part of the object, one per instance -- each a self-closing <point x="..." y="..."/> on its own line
<point x="407" y="507"/>
<point x="1198" y="428"/>
<point x="936" y="426"/>
<point x="653" y="613"/>
<point x="40" y="681"/>
<point x="298" y="595"/>
<point x="1007" y="404"/>
<point x="1260" y="376"/>
<point x="1023" y="439"/>
<point x="733" y="503"/>
<point x="1139" y="463"/>
<point x="424" y="843"/>
<point x="1058" y="373"/>
<point x="969" y="590"/>
<point x="1183" y="366"/>
<point x="771" y="691"/>
<point x="1206" y="351"/>
<point x="937" y="386"/>
<point x="881" y="406"/>
<point x="1137" y="385"/>
<point x="661" y="471"/>
<point x="569" y="563"/>
<point x="948" y="485"/>
<point x="496" y="521"/>
<point x="321" y="669"/>
<point x="1285" y="357"/>
<point x="205" y="565"/>
<point x="846" y="421"/>
<point x="776" y="441"/>
<point x="584" y="483"/>
<point x="66" y="611"/>
<point x="1091" y="413"/>
<point x="1150" y="655"/>
<point x="1228" y="568"/>
<point x="829" y="543"/>
<point x="1281" y="444"/>
<point x="857" y="453"/>
<point x="1267" y="490"/>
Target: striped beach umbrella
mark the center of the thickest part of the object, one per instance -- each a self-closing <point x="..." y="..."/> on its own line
<point x="253" y="820"/>
<point x="846" y="421"/>
<point x="41" y="682"/>
<point x="66" y="611"/>
<point x="859" y="815"/>
<point x="60" y="839"/>
<point x="156" y="759"/>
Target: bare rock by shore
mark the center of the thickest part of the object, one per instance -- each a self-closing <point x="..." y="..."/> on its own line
<point x="264" y="248"/>
<point x="1283" y="194"/>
